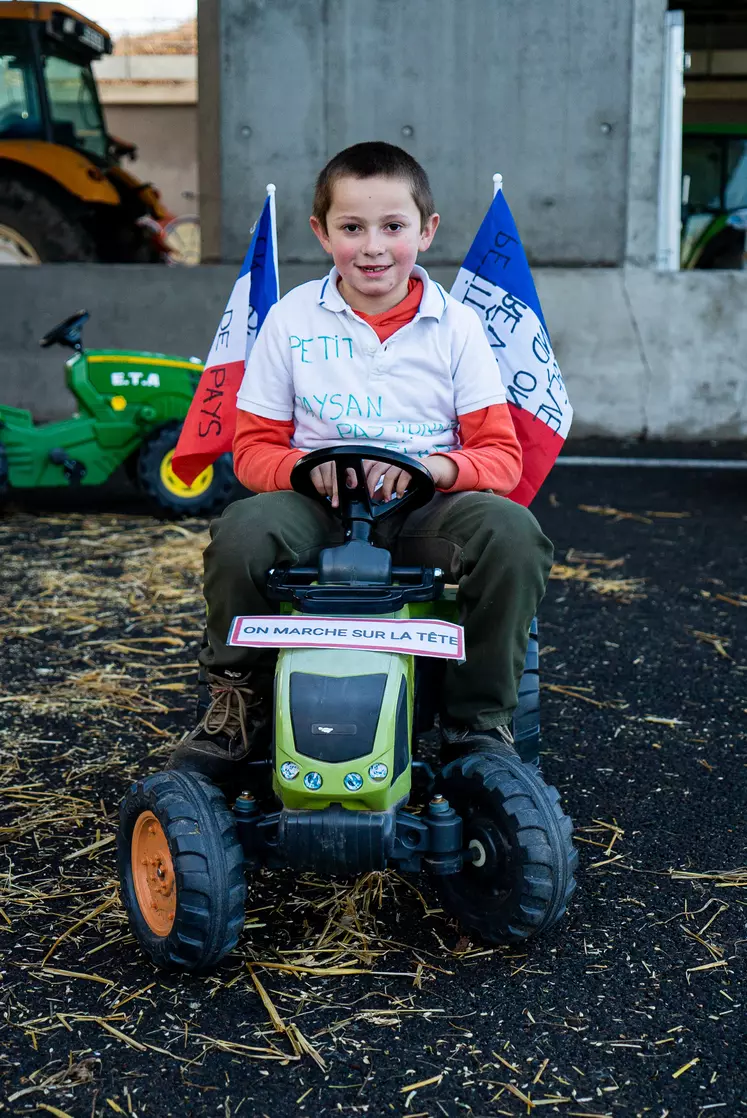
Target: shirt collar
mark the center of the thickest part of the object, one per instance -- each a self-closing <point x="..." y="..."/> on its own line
<point x="432" y="305"/>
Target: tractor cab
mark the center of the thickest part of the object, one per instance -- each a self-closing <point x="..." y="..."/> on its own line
<point x="47" y="88"/>
<point x="63" y="193"/>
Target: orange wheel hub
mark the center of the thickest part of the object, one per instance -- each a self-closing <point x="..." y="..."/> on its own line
<point x="153" y="874"/>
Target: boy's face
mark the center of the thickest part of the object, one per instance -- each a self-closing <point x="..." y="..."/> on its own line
<point x="373" y="234"/>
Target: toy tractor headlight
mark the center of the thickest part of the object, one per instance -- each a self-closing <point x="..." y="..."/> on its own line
<point x="378" y="771"/>
<point x="313" y="781"/>
<point x="289" y="770"/>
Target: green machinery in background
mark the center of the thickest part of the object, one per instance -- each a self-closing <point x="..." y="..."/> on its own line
<point x="131" y="406"/>
<point x="714" y="212"/>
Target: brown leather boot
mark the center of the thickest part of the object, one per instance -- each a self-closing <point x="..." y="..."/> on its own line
<point x="236" y="721"/>
<point x="457" y="740"/>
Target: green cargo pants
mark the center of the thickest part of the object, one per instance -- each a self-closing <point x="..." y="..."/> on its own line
<point x="494" y="549"/>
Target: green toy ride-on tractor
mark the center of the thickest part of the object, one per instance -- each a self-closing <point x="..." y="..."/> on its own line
<point x="131" y="407"/>
<point x="333" y="793"/>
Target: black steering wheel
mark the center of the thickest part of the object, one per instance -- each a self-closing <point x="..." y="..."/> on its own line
<point x="67" y="332"/>
<point x="355" y="502"/>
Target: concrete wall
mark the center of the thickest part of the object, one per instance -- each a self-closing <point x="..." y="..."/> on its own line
<point x="166" y="137"/>
<point x="147" y="79"/>
<point x="643" y="353"/>
<point x="646" y="73"/>
<point x="151" y="100"/>
<point x="652" y="354"/>
<point x="168" y="310"/>
<point x="539" y="91"/>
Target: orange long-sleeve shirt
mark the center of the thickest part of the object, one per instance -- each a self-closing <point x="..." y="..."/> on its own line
<point x="489" y="458"/>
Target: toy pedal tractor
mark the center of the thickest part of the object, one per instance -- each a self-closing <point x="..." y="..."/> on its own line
<point x="491" y="833"/>
<point x="131" y="406"/>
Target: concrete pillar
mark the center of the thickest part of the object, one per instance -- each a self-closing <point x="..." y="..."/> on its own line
<point x="646" y="76"/>
<point x="539" y="91"/>
<point x="208" y="128"/>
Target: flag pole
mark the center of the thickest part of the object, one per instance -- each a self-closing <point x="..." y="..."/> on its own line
<point x="273" y="218"/>
<point x="497" y="183"/>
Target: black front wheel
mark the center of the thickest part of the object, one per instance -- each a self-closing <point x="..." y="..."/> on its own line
<point x="181" y="870"/>
<point x="209" y="493"/>
<point x="520" y="879"/>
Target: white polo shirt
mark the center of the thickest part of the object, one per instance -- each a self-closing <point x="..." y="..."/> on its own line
<point x="316" y="362"/>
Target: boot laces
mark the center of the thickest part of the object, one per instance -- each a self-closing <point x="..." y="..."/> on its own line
<point x="504" y="732"/>
<point x="228" y="710"/>
<point x="463" y="733"/>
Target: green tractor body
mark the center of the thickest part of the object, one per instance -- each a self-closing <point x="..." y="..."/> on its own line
<point x="322" y="683"/>
<point x="130" y="409"/>
<point x="329" y="782"/>
<point x="361" y="763"/>
<point x="123" y="397"/>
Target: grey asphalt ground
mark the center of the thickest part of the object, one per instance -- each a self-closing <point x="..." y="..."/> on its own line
<point x="632" y="1006"/>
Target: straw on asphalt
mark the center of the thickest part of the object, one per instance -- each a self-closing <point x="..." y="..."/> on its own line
<point x="366" y="996"/>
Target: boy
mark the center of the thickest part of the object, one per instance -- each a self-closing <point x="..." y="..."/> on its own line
<point x="375" y="352"/>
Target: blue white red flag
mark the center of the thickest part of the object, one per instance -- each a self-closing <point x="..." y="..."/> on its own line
<point x="496" y="282"/>
<point x="211" y="420"/>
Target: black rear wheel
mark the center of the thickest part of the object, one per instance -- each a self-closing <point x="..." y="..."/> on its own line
<point x="181" y="869"/>
<point x="521" y="878"/>
<point x="37" y="227"/>
<point x="209" y="493"/>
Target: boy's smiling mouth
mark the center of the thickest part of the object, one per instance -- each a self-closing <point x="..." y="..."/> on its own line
<point x="373" y="269"/>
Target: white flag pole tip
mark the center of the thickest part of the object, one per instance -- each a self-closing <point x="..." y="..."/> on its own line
<point x="270" y="188"/>
<point x="497" y="183"/>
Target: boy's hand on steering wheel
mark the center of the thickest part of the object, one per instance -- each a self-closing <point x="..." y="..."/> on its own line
<point x="384" y="482"/>
<point x="324" y="479"/>
<point x="394" y="483"/>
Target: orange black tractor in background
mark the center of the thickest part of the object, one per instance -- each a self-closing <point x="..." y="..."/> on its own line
<point x="63" y="193"/>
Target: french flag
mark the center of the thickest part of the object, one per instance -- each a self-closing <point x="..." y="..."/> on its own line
<point x="496" y="282"/>
<point x="210" y="423"/>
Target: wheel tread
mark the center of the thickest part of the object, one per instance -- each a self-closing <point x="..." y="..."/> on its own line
<point x="150" y="456"/>
<point x="208" y="864"/>
<point x="543" y="859"/>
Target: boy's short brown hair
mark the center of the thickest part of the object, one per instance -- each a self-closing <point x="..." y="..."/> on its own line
<point x="364" y="161"/>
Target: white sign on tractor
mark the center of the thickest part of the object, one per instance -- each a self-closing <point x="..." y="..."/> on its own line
<point x="413" y="637"/>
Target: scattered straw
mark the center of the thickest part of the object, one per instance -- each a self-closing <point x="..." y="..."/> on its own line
<point x="588" y="568"/>
<point x="105" y="615"/>
<point x="722" y="879"/>
<point x="719" y="643"/>
<point x="298" y="1042"/>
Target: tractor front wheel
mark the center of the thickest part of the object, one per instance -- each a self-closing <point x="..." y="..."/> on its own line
<point x="520" y="878"/>
<point x="181" y="870"/>
<point x="209" y="493"/>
